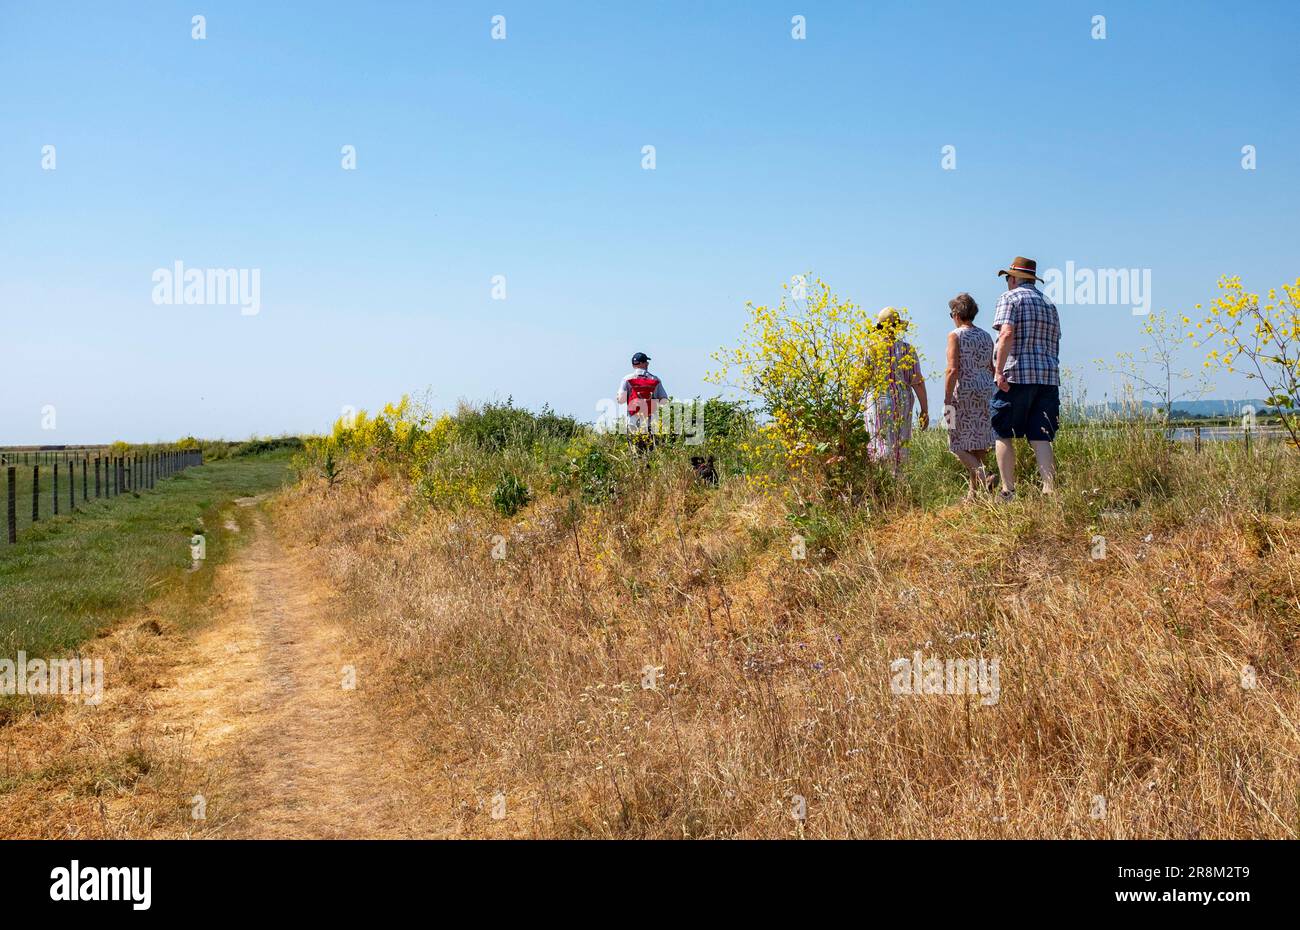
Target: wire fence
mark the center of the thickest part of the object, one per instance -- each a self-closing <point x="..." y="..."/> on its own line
<point x="41" y="484"/>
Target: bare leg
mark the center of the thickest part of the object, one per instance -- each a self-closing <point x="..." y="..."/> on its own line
<point x="982" y="477"/>
<point x="1046" y="464"/>
<point x="1006" y="452"/>
<point x="973" y="464"/>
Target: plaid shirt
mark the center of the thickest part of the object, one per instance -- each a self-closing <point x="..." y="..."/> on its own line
<point x="1036" y="341"/>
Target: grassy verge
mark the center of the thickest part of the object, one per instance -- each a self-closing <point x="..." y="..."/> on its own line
<point x="71" y="576"/>
<point x="631" y="652"/>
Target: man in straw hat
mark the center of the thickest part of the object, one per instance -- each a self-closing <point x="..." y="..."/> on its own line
<point x="1026" y="369"/>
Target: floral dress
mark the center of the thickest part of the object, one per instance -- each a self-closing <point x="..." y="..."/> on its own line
<point x="888" y="414"/>
<point x="970" y="425"/>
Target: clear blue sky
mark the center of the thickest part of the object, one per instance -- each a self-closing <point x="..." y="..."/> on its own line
<point x="523" y="158"/>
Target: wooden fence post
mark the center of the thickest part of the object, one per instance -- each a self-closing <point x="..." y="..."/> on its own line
<point x="85" y="493"/>
<point x="13" y="504"/>
<point x="36" y="493"/>
<point x="72" y="488"/>
<point x="56" y="487"/>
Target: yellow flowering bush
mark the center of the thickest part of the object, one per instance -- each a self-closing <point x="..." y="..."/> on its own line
<point x="1260" y="339"/>
<point x="452" y="489"/>
<point x="392" y="434"/>
<point x="811" y="362"/>
<point x="429" y="443"/>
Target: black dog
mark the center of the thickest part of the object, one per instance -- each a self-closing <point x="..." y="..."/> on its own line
<point x="704" y="469"/>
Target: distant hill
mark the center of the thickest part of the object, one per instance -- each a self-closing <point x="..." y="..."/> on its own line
<point x="1191" y="408"/>
<point x="1218" y="408"/>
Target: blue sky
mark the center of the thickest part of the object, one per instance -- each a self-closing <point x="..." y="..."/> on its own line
<point x="523" y="158"/>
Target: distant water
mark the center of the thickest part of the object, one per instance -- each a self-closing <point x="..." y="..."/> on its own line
<point x="1223" y="433"/>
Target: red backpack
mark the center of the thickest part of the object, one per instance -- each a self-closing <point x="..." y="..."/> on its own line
<point x="640" y="394"/>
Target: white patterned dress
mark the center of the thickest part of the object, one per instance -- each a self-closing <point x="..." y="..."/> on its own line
<point x="888" y="415"/>
<point x="971" y="425"/>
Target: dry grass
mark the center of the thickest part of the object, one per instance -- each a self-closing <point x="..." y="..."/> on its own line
<point x="72" y="771"/>
<point x="1120" y="678"/>
<point x="237" y="699"/>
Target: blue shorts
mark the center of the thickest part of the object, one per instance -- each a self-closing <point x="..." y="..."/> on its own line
<point x="1027" y="411"/>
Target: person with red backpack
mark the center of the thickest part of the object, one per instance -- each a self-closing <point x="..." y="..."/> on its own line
<point x="641" y="391"/>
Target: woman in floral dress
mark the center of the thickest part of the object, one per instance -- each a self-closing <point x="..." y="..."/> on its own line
<point x="888" y="409"/>
<point x="967" y="389"/>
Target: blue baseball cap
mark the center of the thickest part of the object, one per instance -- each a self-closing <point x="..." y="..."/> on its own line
<point x="640" y="358"/>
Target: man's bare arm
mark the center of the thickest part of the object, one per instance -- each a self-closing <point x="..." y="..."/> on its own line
<point x="1005" y="336"/>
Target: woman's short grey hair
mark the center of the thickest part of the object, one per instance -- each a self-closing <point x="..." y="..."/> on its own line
<point x="963" y="307"/>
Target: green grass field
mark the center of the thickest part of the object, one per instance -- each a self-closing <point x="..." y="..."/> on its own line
<point x="70" y="576"/>
<point x="23" y="492"/>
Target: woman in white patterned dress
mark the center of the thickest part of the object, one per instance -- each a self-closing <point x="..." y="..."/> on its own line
<point x="967" y="389"/>
<point x="887" y="414"/>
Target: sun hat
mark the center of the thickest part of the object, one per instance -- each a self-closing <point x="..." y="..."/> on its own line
<point x="1022" y="268"/>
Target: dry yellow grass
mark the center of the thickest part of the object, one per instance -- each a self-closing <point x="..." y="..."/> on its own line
<point x="1121" y="679"/>
<point x="244" y="707"/>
